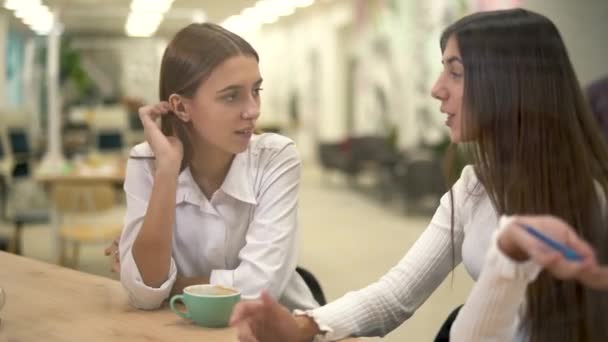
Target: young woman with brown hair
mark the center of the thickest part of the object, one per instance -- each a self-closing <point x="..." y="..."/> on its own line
<point x="208" y="201"/>
<point x="512" y="99"/>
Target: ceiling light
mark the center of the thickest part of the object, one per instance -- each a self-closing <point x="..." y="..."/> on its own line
<point x="303" y="3"/>
<point x="17" y="4"/>
<point x="199" y="17"/>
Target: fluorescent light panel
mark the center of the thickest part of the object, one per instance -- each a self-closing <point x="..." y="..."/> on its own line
<point x="33" y="14"/>
<point x="146" y="16"/>
<point x="263" y="12"/>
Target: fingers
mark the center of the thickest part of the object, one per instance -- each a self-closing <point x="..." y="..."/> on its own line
<point x="112" y="248"/>
<point x="267" y="300"/>
<point x="245" y="333"/>
<point x="149" y="114"/>
<point x="564" y="269"/>
<point x="245" y="310"/>
<point x="596" y="278"/>
<point x="580" y="245"/>
<point x="545" y="259"/>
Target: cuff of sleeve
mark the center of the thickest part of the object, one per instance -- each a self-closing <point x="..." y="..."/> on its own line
<point x="327" y="331"/>
<point x="141" y="295"/>
<point x="507" y="267"/>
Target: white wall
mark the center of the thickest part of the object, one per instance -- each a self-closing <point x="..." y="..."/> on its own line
<point x="24" y="114"/>
<point x="584" y="28"/>
<point x="403" y="69"/>
<point x="137" y="59"/>
<point x="287" y="67"/>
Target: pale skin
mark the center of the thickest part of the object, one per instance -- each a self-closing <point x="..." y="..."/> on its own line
<point x="264" y="320"/>
<point x="222" y="115"/>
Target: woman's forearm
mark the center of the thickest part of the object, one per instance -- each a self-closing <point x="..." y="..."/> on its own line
<point x="152" y="247"/>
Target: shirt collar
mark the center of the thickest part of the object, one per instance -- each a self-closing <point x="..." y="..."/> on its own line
<point x="238" y="183"/>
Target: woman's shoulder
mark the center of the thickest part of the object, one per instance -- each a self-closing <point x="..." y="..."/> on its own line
<point x="142" y="150"/>
<point x="268" y="153"/>
<point x="269" y="146"/>
<point x="468" y="177"/>
<point x="141" y="160"/>
<point x="270" y="141"/>
<point x="468" y="190"/>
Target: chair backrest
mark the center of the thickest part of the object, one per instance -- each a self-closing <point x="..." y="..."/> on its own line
<point x="313" y="284"/>
<point x="83" y="198"/>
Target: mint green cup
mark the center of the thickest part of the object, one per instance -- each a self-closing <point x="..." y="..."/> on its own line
<point x="209" y="306"/>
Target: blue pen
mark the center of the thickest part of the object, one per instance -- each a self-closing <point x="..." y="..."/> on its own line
<point x="566" y="251"/>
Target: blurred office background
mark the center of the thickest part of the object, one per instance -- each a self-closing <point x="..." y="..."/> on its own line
<point x="348" y="80"/>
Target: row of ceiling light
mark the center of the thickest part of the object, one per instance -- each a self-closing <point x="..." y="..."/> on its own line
<point x="263" y="12"/>
<point x="146" y="15"/>
<point x="33" y="13"/>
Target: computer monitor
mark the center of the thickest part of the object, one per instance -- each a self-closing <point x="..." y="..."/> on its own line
<point x="109" y="141"/>
<point x="18" y="142"/>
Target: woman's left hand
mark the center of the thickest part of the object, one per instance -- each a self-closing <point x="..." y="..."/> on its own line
<point x="112" y="252"/>
<point x="264" y="320"/>
<point x="519" y="245"/>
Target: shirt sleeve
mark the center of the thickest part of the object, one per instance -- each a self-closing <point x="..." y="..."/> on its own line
<point x="137" y="187"/>
<point x="491" y="310"/>
<point x="382" y="306"/>
<point x="268" y="259"/>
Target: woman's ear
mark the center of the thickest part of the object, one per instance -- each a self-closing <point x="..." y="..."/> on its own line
<point x="178" y="107"/>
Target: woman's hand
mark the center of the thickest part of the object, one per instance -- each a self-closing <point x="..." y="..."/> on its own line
<point x="168" y="150"/>
<point x="519" y="245"/>
<point x="264" y="320"/>
<point x="112" y="252"/>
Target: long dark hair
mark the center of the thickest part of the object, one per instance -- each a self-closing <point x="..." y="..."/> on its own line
<point x="536" y="149"/>
<point x="188" y="60"/>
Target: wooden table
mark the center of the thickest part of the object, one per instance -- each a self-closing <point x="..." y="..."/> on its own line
<point x="49" y="303"/>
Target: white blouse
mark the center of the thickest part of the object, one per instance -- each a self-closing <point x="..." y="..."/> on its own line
<point x="245" y="236"/>
<point x="496" y="304"/>
<point x="382" y="306"/>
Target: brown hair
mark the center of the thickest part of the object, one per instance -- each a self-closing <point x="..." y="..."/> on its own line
<point x="536" y="150"/>
<point x="188" y="60"/>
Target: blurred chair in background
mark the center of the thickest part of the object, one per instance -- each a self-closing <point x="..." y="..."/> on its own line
<point x="88" y="215"/>
<point x="23" y="201"/>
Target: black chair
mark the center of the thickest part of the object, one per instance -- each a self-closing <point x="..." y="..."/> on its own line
<point x="444" y="332"/>
<point x="313" y="284"/>
<point x="420" y="177"/>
